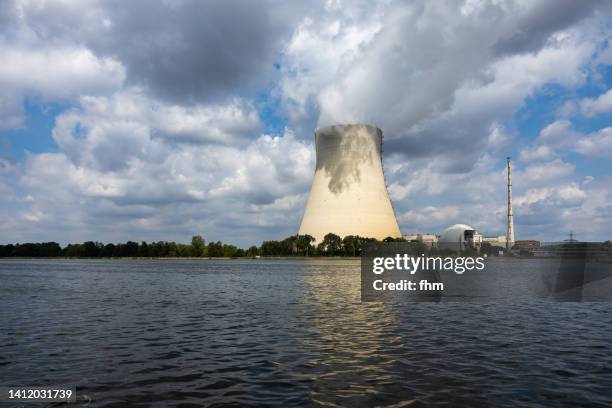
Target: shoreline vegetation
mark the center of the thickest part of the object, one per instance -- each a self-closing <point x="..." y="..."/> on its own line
<point x="293" y="247"/>
<point x="192" y="258"/>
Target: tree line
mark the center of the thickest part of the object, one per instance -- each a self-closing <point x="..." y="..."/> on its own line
<point x="331" y="245"/>
<point x="295" y="245"/>
<point x="130" y="249"/>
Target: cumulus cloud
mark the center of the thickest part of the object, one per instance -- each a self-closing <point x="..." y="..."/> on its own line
<point x="430" y="218"/>
<point x="564" y="196"/>
<point x="50" y="70"/>
<point x="155" y="188"/>
<point x="59" y="72"/>
<point x="106" y="132"/>
<point x="190" y="51"/>
<point x="554" y="136"/>
<point x="51" y="75"/>
<point x="543" y="172"/>
<point x="560" y="136"/>
<point x="555" y="210"/>
<point x="536" y="153"/>
<point x="594" y="106"/>
<point x="598" y="144"/>
<point x="11" y="110"/>
<point x="559" y="132"/>
<point x="322" y="43"/>
<point x="431" y="74"/>
<point x="168" y="106"/>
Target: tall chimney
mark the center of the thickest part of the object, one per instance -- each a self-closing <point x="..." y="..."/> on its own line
<point x="510" y="234"/>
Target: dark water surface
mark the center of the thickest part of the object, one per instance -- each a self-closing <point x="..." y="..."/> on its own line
<point x="136" y="333"/>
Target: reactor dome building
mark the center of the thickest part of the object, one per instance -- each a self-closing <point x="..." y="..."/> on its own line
<point x="348" y="194"/>
<point x="460" y="237"/>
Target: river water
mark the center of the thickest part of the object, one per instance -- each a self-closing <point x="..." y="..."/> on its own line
<point x="139" y="333"/>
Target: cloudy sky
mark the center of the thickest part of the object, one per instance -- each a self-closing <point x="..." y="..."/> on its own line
<point x="157" y="120"/>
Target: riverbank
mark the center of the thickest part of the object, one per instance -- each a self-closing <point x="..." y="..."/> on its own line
<point x="186" y="258"/>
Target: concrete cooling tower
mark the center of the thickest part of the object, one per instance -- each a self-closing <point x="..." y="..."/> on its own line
<point x="348" y="194"/>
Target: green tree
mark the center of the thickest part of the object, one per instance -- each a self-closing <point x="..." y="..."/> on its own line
<point x="129" y="249"/>
<point x="289" y="245"/>
<point x="197" y="246"/>
<point x="143" y="249"/>
<point x="253" y="251"/>
<point x="7" y="250"/>
<point x="229" y="251"/>
<point x="352" y="245"/>
<point x="73" y="250"/>
<point x="391" y="239"/>
<point x="90" y="249"/>
<point x="108" y="251"/>
<point x="172" y="249"/>
<point x="215" y="249"/>
<point x="270" y="248"/>
<point x="304" y="244"/>
<point x="184" y="250"/>
<point x="332" y="244"/>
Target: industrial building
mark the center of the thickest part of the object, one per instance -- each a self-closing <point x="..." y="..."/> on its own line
<point x="348" y="194"/>
<point x="460" y="237"/>
<point x="430" y="240"/>
<point x="529" y="244"/>
<point x="499" y="241"/>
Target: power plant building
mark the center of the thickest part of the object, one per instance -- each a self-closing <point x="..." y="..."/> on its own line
<point x="498" y="241"/>
<point x="430" y="240"/>
<point x="460" y="237"/>
<point x="349" y="194"/>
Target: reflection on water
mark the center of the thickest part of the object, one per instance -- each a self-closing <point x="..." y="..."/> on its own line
<point x="350" y="347"/>
<point x="289" y="333"/>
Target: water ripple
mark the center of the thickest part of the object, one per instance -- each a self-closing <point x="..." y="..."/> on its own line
<point x="287" y="333"/>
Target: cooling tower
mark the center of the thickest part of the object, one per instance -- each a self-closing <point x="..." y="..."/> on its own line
<point x="348" y="194"/>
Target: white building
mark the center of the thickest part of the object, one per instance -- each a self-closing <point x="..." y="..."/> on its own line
<point x="499" y="241"/>
<point x="460" y="237"/>
<point x="430" y="240"/>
